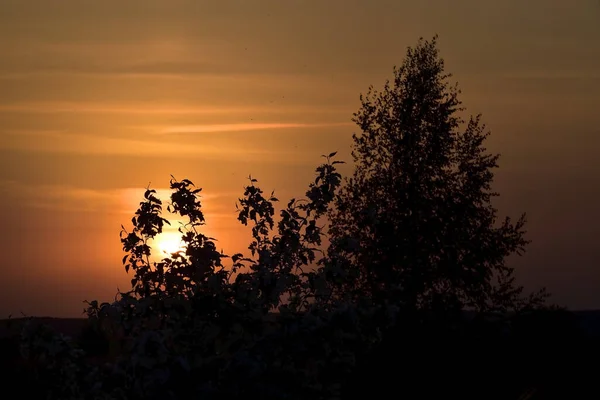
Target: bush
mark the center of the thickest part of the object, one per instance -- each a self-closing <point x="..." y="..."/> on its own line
<point x="266" y="326"/>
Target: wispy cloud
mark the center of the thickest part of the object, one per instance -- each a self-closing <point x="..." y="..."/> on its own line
<point x="186" y="70"/>
<point x="53" y="107"/>
<point x="553" y="74"/>
<point x="62" y="142"/>
<point x="116" y="201"/>
<point x="244" y="127"/>
<point x="64" y="198"/>
<point x="106" y="108"/>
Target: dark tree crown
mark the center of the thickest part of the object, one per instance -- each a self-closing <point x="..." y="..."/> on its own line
<point x="415" y="222"/>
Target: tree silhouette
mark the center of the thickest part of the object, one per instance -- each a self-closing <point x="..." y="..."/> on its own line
<point x="414" y="224"/>
<point x="413" y="229"/>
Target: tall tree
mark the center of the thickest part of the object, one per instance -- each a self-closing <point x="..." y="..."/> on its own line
<point x="415" y="224"/>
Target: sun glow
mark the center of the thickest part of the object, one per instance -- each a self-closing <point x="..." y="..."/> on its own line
<point x="168" y="242"/>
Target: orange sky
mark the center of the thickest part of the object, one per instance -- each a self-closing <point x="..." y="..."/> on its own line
<point x="99" y="98"/>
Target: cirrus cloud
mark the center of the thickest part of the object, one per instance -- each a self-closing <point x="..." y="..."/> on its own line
<point x="213" y="128"/>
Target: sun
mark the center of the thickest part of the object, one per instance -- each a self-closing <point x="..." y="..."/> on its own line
<point x="168" y="243"/>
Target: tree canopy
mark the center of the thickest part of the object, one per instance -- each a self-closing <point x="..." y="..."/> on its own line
<point x="415" y="223"/>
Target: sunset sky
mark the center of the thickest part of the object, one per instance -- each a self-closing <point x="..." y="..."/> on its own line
<point x="100" y="98"/>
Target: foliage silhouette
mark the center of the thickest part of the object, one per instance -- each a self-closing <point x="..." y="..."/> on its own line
<point x="413" y="232"/>
<point x="414" y="225"/>
<point x="188" y="324"/>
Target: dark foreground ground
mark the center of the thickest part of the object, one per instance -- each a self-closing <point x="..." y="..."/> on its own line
<point x="548" y="357"/>
<point x="587" y="321"/>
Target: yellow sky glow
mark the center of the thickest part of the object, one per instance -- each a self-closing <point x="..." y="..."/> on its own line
<point x="99" y="99"/>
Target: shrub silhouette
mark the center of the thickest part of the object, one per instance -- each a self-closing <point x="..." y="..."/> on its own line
<point x="413" y="244"/>
<point x="190" y="326"/>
